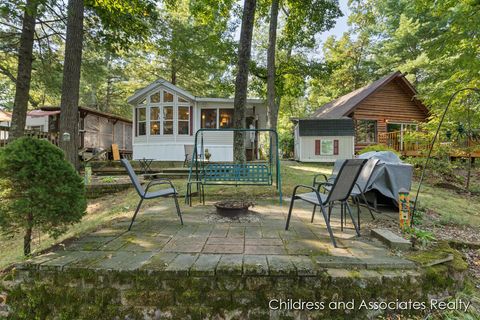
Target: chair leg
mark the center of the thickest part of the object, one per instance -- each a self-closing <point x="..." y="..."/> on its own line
<point x="313" y="212"/>
<point x="179" y="213"/>
<point x="330" y="206"/>
<point x="353" y="220"/>
<point x="329" y="228"/>
<point x="290" y="212"/>
<point x="368" y="206"/>
<point x="341" y="216"/>
<point x="135" y="214"/>
<point x="355" y="199"/>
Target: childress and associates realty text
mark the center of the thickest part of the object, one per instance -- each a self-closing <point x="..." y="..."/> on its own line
<point x="432" y="304"/>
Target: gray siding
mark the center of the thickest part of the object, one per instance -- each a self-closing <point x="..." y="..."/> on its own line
<point x="307" y="149"/>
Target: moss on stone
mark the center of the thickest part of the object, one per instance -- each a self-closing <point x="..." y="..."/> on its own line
<point x="445" y="275"/>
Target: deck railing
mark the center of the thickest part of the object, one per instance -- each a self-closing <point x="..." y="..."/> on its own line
<point x="51" y="137"/>
<point x="399" y="141"/>
<point x="416" y="143"/>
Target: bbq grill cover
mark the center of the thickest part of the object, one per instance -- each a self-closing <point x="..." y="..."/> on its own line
<point x="390" y="174"/>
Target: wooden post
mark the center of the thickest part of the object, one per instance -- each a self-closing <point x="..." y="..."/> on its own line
<point x="404" y="208"/>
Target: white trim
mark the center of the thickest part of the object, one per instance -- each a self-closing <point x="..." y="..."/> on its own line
<point x="227" y="100"/>
<point x="141" y="93"/>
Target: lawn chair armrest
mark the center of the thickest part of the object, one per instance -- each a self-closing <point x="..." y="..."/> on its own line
<point x="315" y="177"/>
<point x="307" y="187"/>
<point x="326" y="183"/>
<point x="157" y="182"/>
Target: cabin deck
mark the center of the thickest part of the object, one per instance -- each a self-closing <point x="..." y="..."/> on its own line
<point x="395" y="140"/>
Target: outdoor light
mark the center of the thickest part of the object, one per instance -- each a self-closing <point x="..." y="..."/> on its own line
<point x="66" y="137"/>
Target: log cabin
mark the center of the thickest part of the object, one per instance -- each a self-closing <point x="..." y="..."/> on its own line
<point x="379" y="113"/>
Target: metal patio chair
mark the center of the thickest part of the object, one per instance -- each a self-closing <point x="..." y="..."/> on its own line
<point x="358" y="192"/>
<point x="340" y="191"/>
<point x="336" y="168"/>
<point x="363" y="181"/>
<point x="145" y="194"/>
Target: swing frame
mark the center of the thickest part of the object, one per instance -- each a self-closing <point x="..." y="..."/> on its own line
<point x="227" y="173"/>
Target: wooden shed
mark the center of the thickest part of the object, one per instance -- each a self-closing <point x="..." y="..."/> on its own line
<point x="97" y="130"/>
<point x="381" y="111"/>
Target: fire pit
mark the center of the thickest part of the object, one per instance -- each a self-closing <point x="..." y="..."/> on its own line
<point x="233" y="208"/>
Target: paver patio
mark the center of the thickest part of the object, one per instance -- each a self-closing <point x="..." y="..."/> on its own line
<point x="203" y="245"/>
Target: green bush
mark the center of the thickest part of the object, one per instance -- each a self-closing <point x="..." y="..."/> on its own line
<point x="38" y="189"/>
<point x="378" y="147"/>
<point x="286" y="142"/>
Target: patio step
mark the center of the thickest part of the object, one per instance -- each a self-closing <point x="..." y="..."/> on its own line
<point x="391" y="239"/>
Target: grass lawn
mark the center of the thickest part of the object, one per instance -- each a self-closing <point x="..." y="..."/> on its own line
<point x="453" y="208"/>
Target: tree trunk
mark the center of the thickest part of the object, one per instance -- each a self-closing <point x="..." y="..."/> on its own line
<point x="272" y="113"/>
<point x="24" y="71"/>
<point x="173" y="77"/>
<point x="241" y="82"/>
<point x="71" y="81"/>
<point x="27" y="238"/>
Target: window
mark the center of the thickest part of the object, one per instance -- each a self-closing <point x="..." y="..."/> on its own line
<point x="183" y="120"/>
<point x="366" y="131"/>
<point x="167" y="96"/>
<point x="182" y="100"/>
<point x="326" y="147"/>
<point x="37" y="128"/>
<point x="141" y="121"/>
<point x="209" y="118"/>
<point x="155" y="98"/>
<point x="154" y="121"/>
<point x="226" y="118"/>
<point x="168" y="120"/>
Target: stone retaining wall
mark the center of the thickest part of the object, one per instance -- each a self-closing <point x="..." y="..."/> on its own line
<point x="98" y="190"/>
<point x="104" y="294"/>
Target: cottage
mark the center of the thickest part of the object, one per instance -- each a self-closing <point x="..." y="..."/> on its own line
<point x="166" y="118"/>
<point x="379" y="113"/>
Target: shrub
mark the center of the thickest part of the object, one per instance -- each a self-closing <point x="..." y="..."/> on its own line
<point x="378" y="147"/>
<point x="38" y="189"/>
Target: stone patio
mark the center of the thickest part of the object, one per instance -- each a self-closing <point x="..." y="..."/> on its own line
<point x="212" y="269"/>
<point x="203" y="245"/>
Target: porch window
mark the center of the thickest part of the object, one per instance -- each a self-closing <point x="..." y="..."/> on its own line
<point x="226" y="118"/>
<point x="167" y="96"/>
<point x="154" y="121"/>
<point x="209" y="118"/>
<point x="183" y="120"/>
<point x="366" y="131"/>
<point x="141" y="117"/>
<point x="155" y="98"/>
<point x="168" y="120"/>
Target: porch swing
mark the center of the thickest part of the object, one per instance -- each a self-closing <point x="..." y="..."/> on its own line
<point x="228" y="173"/>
